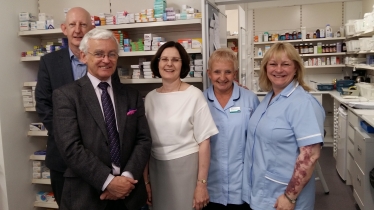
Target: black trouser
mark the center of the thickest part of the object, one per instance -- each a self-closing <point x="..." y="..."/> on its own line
<point x="217" y="206"/>
<point x="57" y="182"/>
<point x="116" y="205"/>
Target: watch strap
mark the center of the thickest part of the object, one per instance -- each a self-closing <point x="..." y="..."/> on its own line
<point x="293" y="201"/>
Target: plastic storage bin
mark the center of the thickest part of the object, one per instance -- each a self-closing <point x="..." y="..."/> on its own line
<point x="327" y="86"/>
<point x="367" y="91"/>
<point x="368" y="128"/>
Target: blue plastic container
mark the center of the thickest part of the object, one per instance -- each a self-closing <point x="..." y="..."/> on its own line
<point x="368" y="128"/>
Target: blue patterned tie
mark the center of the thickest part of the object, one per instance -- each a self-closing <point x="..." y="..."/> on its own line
<point x="110" y="122"/>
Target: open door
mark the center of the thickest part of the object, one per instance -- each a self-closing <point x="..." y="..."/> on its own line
<point x="214" y="26"/>
<point x="243" y="48"/>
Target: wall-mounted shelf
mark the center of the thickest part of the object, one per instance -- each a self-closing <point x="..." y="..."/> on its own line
<point x="37" y="157"/>
<point x="322" y="54"/>
<point x="232" y="37"/>
<point x="362" y="34"/>
<point x="37" y="133"/>
<point x="301" y="40"/>
<point x="116" y="27"/>
<point x="313" y="55"/>
<point x="360" y="52"/>
<point x="29" y="84"/>
<point x="52" y="205"/>
<point x="121" y="54"/>
<point x="361" y="66"/>
<point x="30" y="109"/>
<point x="41" y="181"/>
<point x="30" y="58"/>
<point x="317" y="67"/>
<point x="158" y="80"/>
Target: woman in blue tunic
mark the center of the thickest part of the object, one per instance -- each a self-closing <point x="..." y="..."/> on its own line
<point x="285" y="136"/>
<point x="231" y="107"/>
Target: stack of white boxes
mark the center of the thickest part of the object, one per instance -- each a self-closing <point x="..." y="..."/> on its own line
<point x="28" y="96"/>
<point x="44" y="22"/>
<point x="25" y="20"/>
<point x="170" y="13"/>
<point x="196" y="70"/>
<point x="137" y="72"/>
<point x="147" y="70"/>
<point x="40" y="171"/>
<point x="152" y="42"/>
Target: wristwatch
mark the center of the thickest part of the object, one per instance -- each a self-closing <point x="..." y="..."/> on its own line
<point x="202" y="181"/>
<point x="289" y="199"/>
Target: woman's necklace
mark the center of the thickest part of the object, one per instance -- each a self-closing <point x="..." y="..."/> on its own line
<point x="180" y="84"/>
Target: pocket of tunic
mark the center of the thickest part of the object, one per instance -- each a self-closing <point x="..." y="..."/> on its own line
<point x="275" y="185"/>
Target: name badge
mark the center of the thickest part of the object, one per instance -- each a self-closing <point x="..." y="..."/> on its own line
<point x="235" y="110"/>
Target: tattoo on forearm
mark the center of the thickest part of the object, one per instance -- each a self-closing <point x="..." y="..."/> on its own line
<point x="301" y="173"/>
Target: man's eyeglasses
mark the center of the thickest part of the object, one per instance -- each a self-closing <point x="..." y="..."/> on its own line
<point x="166" y="60"/>
<point x="72" y="25"/>
<point x="100" y="55"/>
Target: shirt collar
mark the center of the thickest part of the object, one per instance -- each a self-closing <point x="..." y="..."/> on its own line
<point x="289" y="89"/>
<point x="95" y="81"/>
<point x="234" y="97"/>
<point x="72" y="56"/>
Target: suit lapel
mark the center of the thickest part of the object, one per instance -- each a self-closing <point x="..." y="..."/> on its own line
<point x="120" y="100"/>
<point x="65" y="69"/>
<point x="92" y="103"/>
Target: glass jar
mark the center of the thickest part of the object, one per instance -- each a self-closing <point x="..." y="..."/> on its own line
<point x="327" y="48"/>
<point x="287" y="36"/>
<point x="301" y="51"/>
<point x="306" y="48"/>
<point x="323" y="48"/>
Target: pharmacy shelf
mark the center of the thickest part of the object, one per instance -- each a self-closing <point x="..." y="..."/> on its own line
<point x="158" y="80"/>
<point x="317" y="67"/>
<point x="30" y="109"/>
<point x="146" y="53"/>
<point x="325" y="66"/>
<point x="37" y="133"/>
<point x="301" y="40"/>
<point x="52" y="205"/>
<point x="30" y="58"/>
<point x="258" y="58"/>
<point x="121" y="54"/>
<point x="362" y="34"/>
<point x="117" y="27"/>
<point x="360" y="52"/>
<point x="37" y="157"/>
<point x="322" y="54"/>
<point x="232" y="37"/>
<point x="41" y="181"/>
<point x="29" y="84"/>
<point x="360" y="66"/>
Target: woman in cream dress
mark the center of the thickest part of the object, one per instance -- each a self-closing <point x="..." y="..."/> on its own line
<point x="181" y="125"/>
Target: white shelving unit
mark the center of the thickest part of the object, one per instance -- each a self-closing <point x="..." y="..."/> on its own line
<point x="41" y="181"/>
<point x="30" y="58"/>
<point x="313" y="55"/>
<point x="232" y="37"/>
<point x="52" y="205"/>
<point x="37" y="133"/>
<point x="316" y="67"/>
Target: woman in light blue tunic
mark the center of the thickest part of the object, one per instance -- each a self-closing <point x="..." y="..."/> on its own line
<point x="285" y="136"/>
<point x="231" y="107"/>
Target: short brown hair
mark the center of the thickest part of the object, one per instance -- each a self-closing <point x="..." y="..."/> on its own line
<point x="183" y="54"/>
<point x="276" y="51"/>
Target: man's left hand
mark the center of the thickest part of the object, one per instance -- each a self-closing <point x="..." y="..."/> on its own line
<point x="283" y="203"/>
<point x="106" y="195"/>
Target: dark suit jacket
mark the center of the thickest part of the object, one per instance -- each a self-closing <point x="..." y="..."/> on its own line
<point x="54" y="71"/>
<point x="81" y="137"/>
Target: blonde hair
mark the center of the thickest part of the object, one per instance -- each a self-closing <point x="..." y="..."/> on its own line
<point x="276" y="51"/>
<point x="223" y="55"/>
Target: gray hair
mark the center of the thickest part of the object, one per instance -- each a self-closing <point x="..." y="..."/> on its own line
<point x="96" y="33"/>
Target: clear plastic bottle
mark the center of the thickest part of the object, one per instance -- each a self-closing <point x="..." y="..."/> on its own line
<point x="338" y="47"/>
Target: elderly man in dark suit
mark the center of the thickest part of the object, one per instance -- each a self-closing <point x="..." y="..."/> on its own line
<point x="55" y="70"/>
<point x="102" y="133"/>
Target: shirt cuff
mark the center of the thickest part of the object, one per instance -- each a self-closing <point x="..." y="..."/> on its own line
<point x="127" y="174"/>
<point x="108" y="180"/>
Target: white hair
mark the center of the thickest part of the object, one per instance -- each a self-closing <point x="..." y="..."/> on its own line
<point x="96" y="33"/>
